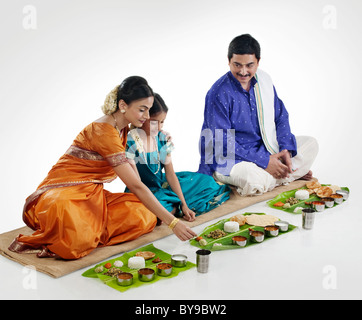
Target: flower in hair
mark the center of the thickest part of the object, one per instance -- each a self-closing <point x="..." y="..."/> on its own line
<point x="110" y="103"/>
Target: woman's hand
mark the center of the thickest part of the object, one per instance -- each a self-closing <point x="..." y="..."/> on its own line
<point x="189" y="215"/>
<point x="183" y="232"/>
<point x="167" y="135"/>
<point x="130" y="178"/>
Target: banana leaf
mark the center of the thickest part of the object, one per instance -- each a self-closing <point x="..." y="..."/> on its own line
<point x="112" y="281"/>
<point x="226" y="243"/>
<point x="282" y="197"/>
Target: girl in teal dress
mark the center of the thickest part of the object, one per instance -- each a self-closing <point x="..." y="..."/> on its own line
<point x="186" y="194"/>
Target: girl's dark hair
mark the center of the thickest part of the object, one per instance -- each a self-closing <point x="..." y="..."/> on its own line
<point x="158" y="105"/>
<point x="244" y="44"/>
<point x="133" y="88"/>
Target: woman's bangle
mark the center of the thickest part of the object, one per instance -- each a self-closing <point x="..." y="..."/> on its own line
<point x="173" y="223"/>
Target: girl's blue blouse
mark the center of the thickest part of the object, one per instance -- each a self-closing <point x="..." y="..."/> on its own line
<point x="201" y="191"/>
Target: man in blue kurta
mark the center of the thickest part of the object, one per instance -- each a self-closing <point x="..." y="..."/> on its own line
<point x="246" y="140"/>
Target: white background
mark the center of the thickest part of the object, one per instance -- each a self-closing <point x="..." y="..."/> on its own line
<point x="54" y="78"/>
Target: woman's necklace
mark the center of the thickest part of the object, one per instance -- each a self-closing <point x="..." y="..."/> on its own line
<point x="140" y="147"/>
<point x="119" y="131"/>
<point x="158" y="156"/>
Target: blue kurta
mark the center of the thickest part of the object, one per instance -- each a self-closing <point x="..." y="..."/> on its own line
<point x="229" y="106"/>
<point x="200" y="191"/>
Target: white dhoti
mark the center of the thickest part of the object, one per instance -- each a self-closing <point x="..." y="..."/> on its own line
<point x="249" y="179"/>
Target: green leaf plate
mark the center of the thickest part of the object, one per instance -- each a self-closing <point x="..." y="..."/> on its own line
<point x="282" y="197"/>
<point x="225" y="243"/>
<point x="112" y="281"/>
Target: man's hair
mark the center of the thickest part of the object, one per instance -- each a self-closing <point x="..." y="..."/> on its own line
<point x="244" y="44"/>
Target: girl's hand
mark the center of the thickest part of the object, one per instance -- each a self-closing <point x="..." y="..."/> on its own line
<point x="167" y="135"/>
<point x="183" y="232"/>
<point x="189" y="215"/>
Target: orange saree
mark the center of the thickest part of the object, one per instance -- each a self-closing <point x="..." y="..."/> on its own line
<point x="70" y="211"/>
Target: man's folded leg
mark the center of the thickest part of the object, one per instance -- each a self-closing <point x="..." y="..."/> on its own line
<point x="249" y="179"/>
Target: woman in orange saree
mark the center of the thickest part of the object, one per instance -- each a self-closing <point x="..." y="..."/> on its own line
<point x="71" y="212"/>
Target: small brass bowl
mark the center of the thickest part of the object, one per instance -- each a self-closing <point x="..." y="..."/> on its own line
<point x="256" y="236"/>
<point x="125" y="279"/>
<point x="319" y="205"/>
<point x="164" y="269"/>
<point x="283" y="225"/>
<point x="271" y="231"/>
<point x="146" y="274"/>
<point x="178" y="260"/>
<point x="239" y="240"/>
<point x="329" y="202"/>
<point x="338" y="198"/>
<point x="344" y="193"/>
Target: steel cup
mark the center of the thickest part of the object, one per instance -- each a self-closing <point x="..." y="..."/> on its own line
<point x="308" y="216"/>
<point x="202" y="260"/>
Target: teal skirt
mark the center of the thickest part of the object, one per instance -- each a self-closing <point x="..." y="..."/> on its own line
<point x="201" y="193"/>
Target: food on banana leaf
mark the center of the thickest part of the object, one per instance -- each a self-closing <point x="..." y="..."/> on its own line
<point x="302" y="194"/>
<point x="216" y="234"/>
<point x="231" y="226"/>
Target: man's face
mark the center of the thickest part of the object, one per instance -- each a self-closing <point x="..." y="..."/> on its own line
<point x="243" y="67"/>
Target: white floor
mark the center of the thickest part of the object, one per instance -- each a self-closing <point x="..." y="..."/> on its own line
<point x="323" y="263"/>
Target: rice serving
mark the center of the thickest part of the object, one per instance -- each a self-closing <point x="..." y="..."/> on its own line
<point x="302" y="194"/>
<point x="118" y="263"/>
<point x="231" y="226"/>
<point x="136" y="263"/>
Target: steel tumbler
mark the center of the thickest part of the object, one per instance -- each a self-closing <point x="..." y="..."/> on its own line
<point x="202" y="260"/>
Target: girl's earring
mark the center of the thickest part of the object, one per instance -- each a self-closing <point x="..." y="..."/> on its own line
<point x="123" y="111"/>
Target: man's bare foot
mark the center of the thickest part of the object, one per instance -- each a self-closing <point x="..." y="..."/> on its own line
<point x="308" y="176"/>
